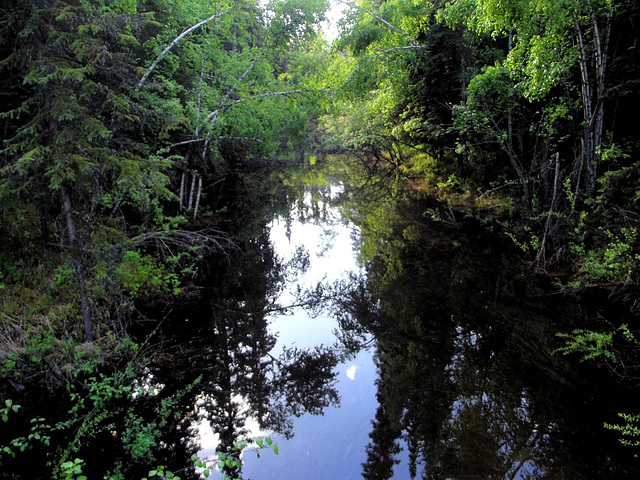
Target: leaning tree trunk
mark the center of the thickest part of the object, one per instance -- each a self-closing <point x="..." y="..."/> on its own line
<point x="182" y="189"/>
<point x="76" y="255"/>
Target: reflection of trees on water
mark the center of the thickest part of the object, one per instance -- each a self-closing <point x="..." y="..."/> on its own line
<point x="467" y="381"/>
<point x="221" y="337"/>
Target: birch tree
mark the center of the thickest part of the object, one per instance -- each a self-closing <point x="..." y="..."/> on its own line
<point x="543" y="56"/>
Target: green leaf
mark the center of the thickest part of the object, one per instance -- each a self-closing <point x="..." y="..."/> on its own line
<point x="8" y="402"/>
<point x="275" y="449"/>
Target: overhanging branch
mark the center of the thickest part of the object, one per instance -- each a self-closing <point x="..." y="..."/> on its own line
<point x="174" y="43"/>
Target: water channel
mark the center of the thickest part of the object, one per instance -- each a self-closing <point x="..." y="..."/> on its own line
<point x="447" y="366"/>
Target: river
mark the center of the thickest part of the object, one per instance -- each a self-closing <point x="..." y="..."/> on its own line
<point x="449" y="365"/>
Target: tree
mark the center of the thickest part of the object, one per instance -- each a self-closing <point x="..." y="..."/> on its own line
<point x="541" y="57"/>
<point x="74" y="137"/>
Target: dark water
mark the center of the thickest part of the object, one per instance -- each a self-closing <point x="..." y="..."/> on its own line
<point x="371" y="333"/>
<point x="452" y="372"/>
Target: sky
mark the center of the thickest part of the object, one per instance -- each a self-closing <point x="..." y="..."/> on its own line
<point x="330" y="26"/>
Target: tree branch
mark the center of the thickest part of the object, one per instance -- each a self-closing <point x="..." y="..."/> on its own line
<point x="173" y="44"/>
<point x="392" y="49"/>
<point x="380" y="19"/>
<point x="214" y="115"/>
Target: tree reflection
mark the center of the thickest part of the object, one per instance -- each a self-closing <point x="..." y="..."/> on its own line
<point x="221" y="337"/>
<point x="467" y="380"/>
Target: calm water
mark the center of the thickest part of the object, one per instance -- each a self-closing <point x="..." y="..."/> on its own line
<point x="459" y="378"/>
<point x="332" y="445"/>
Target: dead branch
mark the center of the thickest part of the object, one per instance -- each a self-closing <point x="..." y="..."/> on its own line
<point x="209" y="239"/>
<point x="174" y="43"/>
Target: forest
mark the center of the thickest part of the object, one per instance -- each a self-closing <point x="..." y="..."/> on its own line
<point x="138" y="142"/>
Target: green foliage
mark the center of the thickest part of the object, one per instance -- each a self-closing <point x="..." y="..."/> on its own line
<point x="542" y="52"/>
<point x="161" y="472"/>
<point x="142" y="274"/>
<point x="613" y="259"/>
<point x="71" y="470"/>
<point x="9" y="406"/>
<point x="589" y="345"/>
<point x="592" y="345"/>
<point x="231" y="462"/>
<point x="629" y="430"/>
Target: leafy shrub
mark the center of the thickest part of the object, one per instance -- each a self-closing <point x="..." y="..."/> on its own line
<point x="142" y="275"/>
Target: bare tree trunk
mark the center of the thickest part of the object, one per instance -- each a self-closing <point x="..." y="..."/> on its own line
<point x="587" y="109"/>
<point x="195" y="209"/>
<point x="510" y="116"/>
<point x="593" y="91"/>
<point x="601" y="53"/>
<point x="380" y="19"/>
<point x="540" y="256"/>
<point x="213" y="116"/>
<point x="77" y="260"/>
<point x="196" y="131"/>
<point x="517" y="166"/>
<point x="193" y="188"/>
<point x="182" y="185"/>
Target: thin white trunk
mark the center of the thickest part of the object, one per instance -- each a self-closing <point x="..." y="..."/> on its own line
<point x="77" y="260"/>
<point x="274" y="94"/>
<point x="380" y="19"/>
<point x="540" y="256"/>
<point x="602" y="50"/>
<point x="588" y="143"/>
<point x="393" y="49"/>
<point x="182" y="185"/>
<point x="212" y="117"/>
<point x="193" y="188"/>
<point x="195" y="209"/>
<point x="173" y="44"/>
<point x="199" y="100"/>
<point x="510" y="116"/>
<point x="205" y="148"/>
